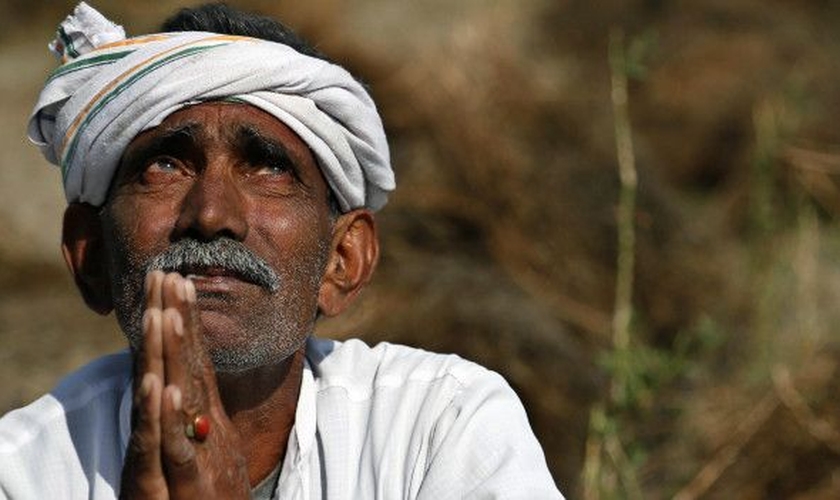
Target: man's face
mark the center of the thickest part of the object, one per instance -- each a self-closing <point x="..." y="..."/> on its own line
<point x="233" y="174"/>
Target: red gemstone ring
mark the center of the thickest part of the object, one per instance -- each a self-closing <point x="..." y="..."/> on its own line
<point x="199" y="428"/>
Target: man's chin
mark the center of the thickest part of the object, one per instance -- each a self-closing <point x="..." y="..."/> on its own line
<point x="236" y="348"/>
<point x="239" y="361"/>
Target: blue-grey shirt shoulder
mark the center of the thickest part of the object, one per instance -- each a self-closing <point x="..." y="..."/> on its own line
<point x="70" y="433"/>
<point x="102" y="379"/>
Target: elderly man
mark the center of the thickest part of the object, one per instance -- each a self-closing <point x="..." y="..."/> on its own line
<point x="222" y="179"/>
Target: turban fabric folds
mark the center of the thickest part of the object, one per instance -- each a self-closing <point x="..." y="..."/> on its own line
<point x="109" y="89"/>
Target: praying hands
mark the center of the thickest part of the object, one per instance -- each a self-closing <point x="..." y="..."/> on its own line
<point x="182" y="443"/>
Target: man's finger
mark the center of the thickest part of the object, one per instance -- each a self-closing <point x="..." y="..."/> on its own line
<point x="200" y="357"/>
<point x="173" y="331"/>
<point x="150" y="357"/>
<point x="178" y="452"/>
<point x="176" y="370"/>
<point x="143" y="471"/>
<point x="182" y="349"/>
<point x="154" y="280"/>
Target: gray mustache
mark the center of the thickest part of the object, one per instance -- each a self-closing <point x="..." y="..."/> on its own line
<point x="224" y="253"/>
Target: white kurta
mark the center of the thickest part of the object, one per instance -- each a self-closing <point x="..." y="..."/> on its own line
<point x="387" y="422"/>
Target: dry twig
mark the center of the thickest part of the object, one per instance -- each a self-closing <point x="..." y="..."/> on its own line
<point x="627" y="198"/>
<point x="820" y="429"/>
<point x="727" y="455"/>
<point x="624" y="282"/>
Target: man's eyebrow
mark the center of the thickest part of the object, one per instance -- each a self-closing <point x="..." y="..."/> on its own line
<point x="259" y="148"/>
<point x="178" y="137"/>
<point x="250" y="138"/>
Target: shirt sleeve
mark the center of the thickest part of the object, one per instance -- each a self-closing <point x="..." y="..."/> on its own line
<point x="482" y="446"/>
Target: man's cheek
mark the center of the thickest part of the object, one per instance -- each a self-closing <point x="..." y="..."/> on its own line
<point x="142" y="238"/>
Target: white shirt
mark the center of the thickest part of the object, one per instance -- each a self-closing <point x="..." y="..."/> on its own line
<point x="387" y="422"/>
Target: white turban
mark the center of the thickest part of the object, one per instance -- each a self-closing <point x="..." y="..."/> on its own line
<point x="109" y="89"/>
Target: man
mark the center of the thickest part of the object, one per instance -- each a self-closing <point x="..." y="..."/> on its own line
<point x="222" y="180"/>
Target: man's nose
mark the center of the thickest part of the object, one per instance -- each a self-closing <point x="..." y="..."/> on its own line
<point x="213" y="207"/>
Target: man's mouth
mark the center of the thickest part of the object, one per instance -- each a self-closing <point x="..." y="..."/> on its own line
<point x="217" y="274"/>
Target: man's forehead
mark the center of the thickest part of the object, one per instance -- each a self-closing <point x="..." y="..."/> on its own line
<point x="203" y="118"/>
<point x="228" y="121"/>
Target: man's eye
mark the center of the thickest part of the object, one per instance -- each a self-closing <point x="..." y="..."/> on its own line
<point x="162" y="165"/>
<point x="162" y="170"/>
<point x="274" y="168"/>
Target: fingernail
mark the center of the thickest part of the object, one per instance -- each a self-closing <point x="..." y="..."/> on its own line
<point x="146" y="385"/>
<point x="173" y="281"/>
<point x="151" y="320"/>
<point x="175" y="397"/>
<point x="178" y="324"/>
<point x="189" y="289"/>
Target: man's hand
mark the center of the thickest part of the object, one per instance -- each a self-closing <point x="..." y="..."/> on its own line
<point x="174" y="383"/>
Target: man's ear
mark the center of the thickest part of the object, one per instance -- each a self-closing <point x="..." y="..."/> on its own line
<point x="84" y="253"/>
<point x="353" y="258"/>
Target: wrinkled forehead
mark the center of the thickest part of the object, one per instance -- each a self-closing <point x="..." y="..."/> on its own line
<point x="224" y="122"/>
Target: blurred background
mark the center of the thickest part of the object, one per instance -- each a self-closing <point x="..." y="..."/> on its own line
<point x="715" y="372"/>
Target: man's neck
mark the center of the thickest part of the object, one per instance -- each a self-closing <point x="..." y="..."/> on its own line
<point x="261" y="404"/>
